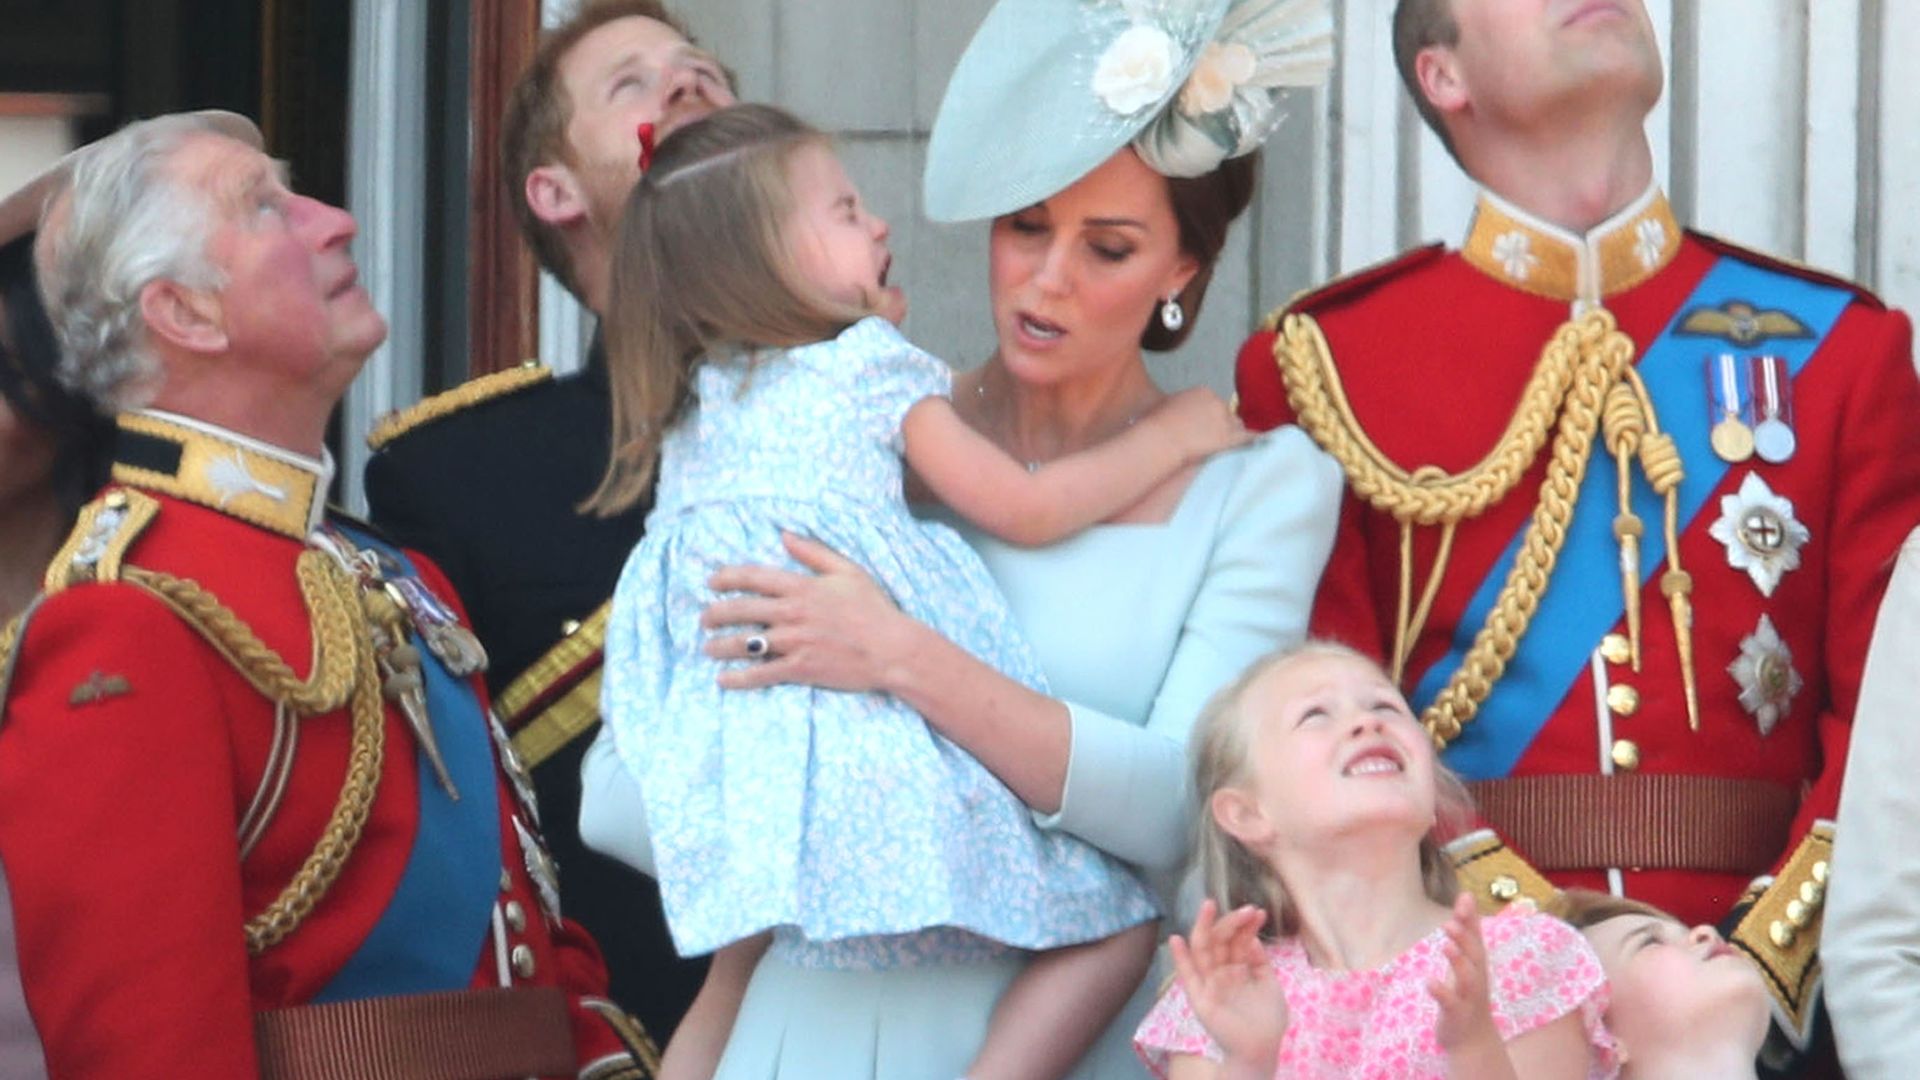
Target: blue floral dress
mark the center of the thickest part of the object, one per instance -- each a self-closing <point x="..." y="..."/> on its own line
<point x="831" y="815"/>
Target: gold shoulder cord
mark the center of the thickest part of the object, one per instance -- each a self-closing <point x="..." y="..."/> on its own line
<point x="1572" y="393"/>
<point x="344" y="668"/>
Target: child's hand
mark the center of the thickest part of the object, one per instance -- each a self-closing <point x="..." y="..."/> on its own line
<point x="1466" y="1013"/>
<point x="1200" y="423"/>
<point x="1231" y="985"/>
<point x="891" y="304"/>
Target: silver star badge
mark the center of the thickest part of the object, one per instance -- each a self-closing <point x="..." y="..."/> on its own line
<point x="1762" y="535"/>
<point x="1764" y="670"/>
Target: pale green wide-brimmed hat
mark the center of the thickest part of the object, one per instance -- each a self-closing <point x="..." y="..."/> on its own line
<point x="1049" y="89"/>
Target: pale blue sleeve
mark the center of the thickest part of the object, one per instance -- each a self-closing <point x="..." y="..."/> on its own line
<point x="1126" y="789"/>
<point x="613" y="816"/>
<point x="890" y="375"/>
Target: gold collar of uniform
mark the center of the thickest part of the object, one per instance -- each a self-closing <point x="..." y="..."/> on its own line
<point x="1511" y="245"/>
<point x="222" y="470"/>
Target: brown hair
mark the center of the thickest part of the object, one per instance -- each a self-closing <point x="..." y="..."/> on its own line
<point x="534" y="127"/>
<point x="1221" y="750"/>
<point x="702" y="265"/>
<point x="1205" y="207"/>
<point x="1584" y="908"/>
<point x="1417" y="25"/>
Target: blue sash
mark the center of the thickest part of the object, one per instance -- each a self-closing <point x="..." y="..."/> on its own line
<point x="1573" y="617"/>
<point x="431" y="933"/>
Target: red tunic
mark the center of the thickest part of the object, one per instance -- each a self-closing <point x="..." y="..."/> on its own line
<point x="1434" y="350"/>
<point x="119" y="809"/>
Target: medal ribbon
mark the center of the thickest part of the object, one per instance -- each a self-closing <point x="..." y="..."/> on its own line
<point x="435" y="923"/>
<point x="1571" y="620"/>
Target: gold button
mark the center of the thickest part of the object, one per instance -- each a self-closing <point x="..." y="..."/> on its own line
<point x="1798" y="913"/>
<point x="1623" y="700"/>
<point x="570" y="628"/>
<point x="1813" y="892"/>
<point x="1820" y="871"/>
<point x="1626" y="754"/>
<point x="1781" y="934"/>
<point x="115" y="500"/>
<point x="516" y="916"/>
<point x="523" y="960"/>
<point x="506" y="881"/>
<point x="1616" y="649"/>
<point x="1504" y="888"/>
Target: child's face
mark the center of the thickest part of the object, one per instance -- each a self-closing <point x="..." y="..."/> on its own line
<point x="839" y="246"/>
<point x="1336" y="749"/>
<point x="1673" y="986"/>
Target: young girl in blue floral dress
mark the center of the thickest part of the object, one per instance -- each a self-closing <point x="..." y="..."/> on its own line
<point x="750" y="361"/>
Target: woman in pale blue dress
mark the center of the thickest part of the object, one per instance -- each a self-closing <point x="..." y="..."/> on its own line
<point x="1136" y="621"/>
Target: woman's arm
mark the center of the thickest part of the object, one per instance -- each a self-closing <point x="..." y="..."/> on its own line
<point x="982" y="483"/>
<point x="1112" y="781"/>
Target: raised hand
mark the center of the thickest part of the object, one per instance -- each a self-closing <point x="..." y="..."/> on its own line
<point x="1232" y="988"/>
<point x="1466" y="1013"/>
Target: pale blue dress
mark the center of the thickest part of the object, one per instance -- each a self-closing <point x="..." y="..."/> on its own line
<point x="826" y="814"/>
<point x="1136" y="627"/>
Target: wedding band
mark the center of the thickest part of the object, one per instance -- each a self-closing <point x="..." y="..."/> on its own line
<point x="757" y="646"/>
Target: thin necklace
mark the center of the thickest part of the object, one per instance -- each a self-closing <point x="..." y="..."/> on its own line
<point x="980" y="392"/>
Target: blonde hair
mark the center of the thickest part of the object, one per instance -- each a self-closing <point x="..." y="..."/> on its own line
<point x="1221" y="752"/>
<point x="703" y="265"/>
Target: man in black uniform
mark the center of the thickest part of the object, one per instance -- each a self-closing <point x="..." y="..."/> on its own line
<point x="486" y="477"/>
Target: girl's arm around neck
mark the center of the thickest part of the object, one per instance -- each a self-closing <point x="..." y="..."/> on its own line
<point x="983" y="484"/>
<point x="1192" y="1067"/>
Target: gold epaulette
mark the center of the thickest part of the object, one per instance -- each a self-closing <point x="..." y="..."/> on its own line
<point x="1495" y="876"/>
<point x="106" y="528"/>
<point x="557" y="698"/>
<point x="469" y="393"/>
<point x="1781" y="931"/>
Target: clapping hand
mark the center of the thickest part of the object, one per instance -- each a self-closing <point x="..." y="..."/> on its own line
<point x="1232" y="988"/>
<point x="1466" y="1013"/>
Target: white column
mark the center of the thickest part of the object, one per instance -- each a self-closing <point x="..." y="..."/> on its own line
<point x="386" y="190"/>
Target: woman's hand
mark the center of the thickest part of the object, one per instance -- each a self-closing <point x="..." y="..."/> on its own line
<point x="833" y="628"/>
<point x="1231" y="985"/>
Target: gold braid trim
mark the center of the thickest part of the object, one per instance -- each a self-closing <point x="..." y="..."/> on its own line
<point x="446" y="403"/>
<point x="344" y="667"/>
<point x="1566" y="392"/>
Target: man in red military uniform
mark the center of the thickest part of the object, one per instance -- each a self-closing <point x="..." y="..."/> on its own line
<point x="254" y="820"/>
<point x="1622" y="497"/>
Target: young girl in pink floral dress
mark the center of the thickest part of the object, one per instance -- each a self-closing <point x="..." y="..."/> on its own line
<point x="1320" y="795"/>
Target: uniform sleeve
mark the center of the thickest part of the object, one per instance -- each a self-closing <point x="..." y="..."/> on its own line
<point x="1873" y="905"/>
<point x="117" y="835"/>
<point x="1539" y="969"/>
<point x="1170" y="1029"/>
<point x="1126" y="787"/>
<point x="1876" y="476"/>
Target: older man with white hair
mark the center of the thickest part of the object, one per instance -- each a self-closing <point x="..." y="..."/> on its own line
<point x="253" y="817"/>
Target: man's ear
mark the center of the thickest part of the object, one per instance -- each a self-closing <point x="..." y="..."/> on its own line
<point x="190" y="319"/>
<point x="1437" y="71"/>
<point x="1238" y="813"/>
<point x="553" y="194"/>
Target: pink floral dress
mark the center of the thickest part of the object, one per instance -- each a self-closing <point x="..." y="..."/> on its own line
<point x="1379" y="1024"/>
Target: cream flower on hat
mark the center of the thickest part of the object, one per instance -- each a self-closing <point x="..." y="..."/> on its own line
<point x="1222" y="68"/>
<point x="1136" y="70"/>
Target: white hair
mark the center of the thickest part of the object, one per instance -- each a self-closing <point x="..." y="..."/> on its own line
<point x="121" y="222"/>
